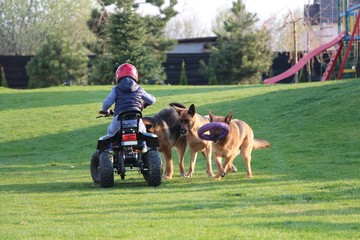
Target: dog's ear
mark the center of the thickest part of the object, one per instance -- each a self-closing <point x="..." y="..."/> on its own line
<point x="150" y="125"/>
<point x="150" y="128"/>
<point x="228" y="118"/>
<point x="192" y="110"/>
<point x="211" y="116"/>
<point x="177" y="109"/>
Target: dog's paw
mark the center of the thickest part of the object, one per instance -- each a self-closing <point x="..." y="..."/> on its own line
<point x="233" y="169"/>
<point x="217" y="178"/>
<point x="189" y="175"/>
<point x="167" y="177"/>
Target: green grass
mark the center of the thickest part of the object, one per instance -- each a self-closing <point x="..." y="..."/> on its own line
<point x="306" y="186"/>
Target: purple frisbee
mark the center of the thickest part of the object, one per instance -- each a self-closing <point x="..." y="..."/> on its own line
<point x="217" y="131"/>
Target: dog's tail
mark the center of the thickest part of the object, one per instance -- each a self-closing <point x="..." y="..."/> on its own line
<point x="175" y="104"/>
<point x="259" y="143"/>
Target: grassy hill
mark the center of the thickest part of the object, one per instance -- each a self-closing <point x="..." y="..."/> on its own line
<point x="306" y="186"/>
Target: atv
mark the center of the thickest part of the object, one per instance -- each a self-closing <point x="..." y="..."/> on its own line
<point x="122" y="151"/>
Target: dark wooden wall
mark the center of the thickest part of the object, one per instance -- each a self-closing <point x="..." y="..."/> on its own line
<point x="173" y="67"/>
<point x="16" y="76"/>
<point x="15" y="72"/>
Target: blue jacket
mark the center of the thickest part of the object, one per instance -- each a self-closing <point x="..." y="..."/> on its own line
<point x="127" y="96"/>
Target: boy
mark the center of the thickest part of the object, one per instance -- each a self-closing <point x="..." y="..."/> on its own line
<point x="127" y="96"/>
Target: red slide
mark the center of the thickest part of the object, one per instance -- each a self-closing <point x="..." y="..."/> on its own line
<point x="294" y="69"/>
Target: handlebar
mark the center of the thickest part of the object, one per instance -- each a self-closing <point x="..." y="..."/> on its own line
<point x="106" y="114"/>
<point x="110" y="113"/>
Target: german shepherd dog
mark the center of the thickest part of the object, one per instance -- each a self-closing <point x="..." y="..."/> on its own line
<point x="240" y="140"/>
<point x="166" y="125"/>
<point x="190" y="122"/>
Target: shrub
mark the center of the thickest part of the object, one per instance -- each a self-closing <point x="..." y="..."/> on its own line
<point x="102" y="70"/>
<point x="183" y="77"/>
<point x="55" y="63"/>
<point x="3" y="81"/>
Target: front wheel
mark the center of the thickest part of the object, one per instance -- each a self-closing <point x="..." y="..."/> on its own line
<point x="153" y="174"/>
<point x="106" y="170"/>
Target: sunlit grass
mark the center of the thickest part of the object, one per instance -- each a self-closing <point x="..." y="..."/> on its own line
<point x="306" y="186"/>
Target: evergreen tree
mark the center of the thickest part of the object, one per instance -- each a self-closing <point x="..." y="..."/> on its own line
<point x="126" y="36"/>
<point x="55" y="63"/>
<point x="243" y="51"/>
<point x="3" y="82"/>
<point x="183" y="77"/>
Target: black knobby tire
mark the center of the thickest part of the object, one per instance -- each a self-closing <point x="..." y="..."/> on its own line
<point x="94" y="167"/>
<point x="106" y="169"/>
<point x="154" y="173"/>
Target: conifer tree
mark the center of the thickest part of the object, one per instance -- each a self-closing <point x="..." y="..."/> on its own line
<point x="56" y="62"/>
<point x="3" y="82"/>
<point x="183" y="77"/>
<point x="131" y="37"/>
<point x="243" y="51"/>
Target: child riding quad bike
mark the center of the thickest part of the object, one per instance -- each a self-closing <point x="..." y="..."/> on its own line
<point x="123" y="150"/>
<point x="127" y="142"/>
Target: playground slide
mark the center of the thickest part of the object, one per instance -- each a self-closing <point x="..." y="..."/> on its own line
<point x="294" y="69"/>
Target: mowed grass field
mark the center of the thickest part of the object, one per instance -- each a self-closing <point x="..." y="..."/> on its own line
<point x="306" y="186"/>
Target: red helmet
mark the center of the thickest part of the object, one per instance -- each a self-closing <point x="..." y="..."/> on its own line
<point x="126" y="70"/>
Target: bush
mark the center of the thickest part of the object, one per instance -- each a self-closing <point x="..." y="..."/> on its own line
<point x="183" y="77"/>
<point x="57" y="62"/>
<point x="3" y="82"/>
<point x="102" y="70"/>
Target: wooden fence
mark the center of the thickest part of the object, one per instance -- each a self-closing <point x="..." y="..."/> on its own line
<point x="173" y="67"/>
<point x="16" y="77"/>
<point x="15" y="72"/>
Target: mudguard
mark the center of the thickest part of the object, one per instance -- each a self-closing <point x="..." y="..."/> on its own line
<point x="151" y="139"/>
<point x="104" y="141"/>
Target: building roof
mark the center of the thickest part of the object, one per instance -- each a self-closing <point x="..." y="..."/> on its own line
<point x="193" y="45"/>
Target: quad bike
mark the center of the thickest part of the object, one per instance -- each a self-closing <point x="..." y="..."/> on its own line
<point x="122" y="151"/>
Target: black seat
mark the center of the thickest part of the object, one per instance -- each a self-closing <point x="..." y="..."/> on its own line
<point x="130" y="115"/>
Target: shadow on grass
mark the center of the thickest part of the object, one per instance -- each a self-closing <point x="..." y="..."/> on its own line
<point x="25" y="99"/>
<point x="30" y="99"/>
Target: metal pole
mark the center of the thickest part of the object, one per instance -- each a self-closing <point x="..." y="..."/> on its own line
<point x="296" y="78"/>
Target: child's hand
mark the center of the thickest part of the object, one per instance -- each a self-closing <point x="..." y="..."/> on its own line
<point x="107" y="113"/>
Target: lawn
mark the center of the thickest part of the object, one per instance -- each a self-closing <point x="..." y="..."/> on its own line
<point x="306" y="186"/>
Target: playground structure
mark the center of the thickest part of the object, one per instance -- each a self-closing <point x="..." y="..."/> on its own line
<point x="348" y="18"/>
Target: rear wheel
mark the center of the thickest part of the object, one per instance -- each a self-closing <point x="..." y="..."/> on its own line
<point x="94" y="167"/>
<point x="106" y="170"/>
<point x="153" y="174"/>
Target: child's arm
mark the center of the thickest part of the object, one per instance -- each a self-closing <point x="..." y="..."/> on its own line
<point x="109" y="100"/>
<point x="148" y="98"/>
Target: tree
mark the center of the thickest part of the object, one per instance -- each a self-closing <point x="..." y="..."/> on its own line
<point x="25" y="23"/>
<point x="178" y="28"/>
<point x="291" y="26"/>
<point x="55" y="63"/>
<point x="183" y="77"/>
<point x="242" y="52"/>
<point x="3" y="81"/>
<point x="292" y="32"/>
<point x="127" y="36"/>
